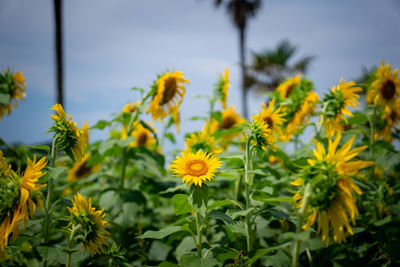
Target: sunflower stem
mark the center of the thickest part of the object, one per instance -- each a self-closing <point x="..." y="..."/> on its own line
<point x="71" y="243"/>
<point x="47" y="205"/>
<point x="247" y="179"/>
<point x="123" y="171"/>
<point x="372" y="140"/>
<point x="301" y="214"/>
<point x="199" y="228"/>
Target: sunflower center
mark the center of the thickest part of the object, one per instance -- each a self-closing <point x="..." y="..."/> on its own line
<point x="268" y="120"/>
<point x="196" y="167"/>
<point x="142" y="138"/>
<point x="228" y="122"/>
<point x="83" y="171"/>
<point x="170" y="88"/>
<point x="388" y="90"/>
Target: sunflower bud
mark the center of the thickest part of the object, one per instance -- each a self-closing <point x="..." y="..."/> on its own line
<point x="12" y="88"/>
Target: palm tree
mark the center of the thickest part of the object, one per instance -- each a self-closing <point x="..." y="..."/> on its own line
<point x="240" y="12"/>
<point x="59" y="50"/>
<point x="272" y="66"/>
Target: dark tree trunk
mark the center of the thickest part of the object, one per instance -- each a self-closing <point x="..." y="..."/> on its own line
<point x="243" y="68"/>
<point x="59" y="50"/>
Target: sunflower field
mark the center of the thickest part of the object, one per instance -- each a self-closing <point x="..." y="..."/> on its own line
<point x="308" y="180"/>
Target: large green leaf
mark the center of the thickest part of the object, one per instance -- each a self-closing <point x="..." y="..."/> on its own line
<point x="164" y="232"/>
<point x="261" y="252"/>
<point x="181" y="204"/>
<point x="194" y="261"/>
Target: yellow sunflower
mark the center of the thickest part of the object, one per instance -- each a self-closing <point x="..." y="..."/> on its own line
<point x="285" y="88"/>
<point x="391" y="118"/>
<point x="142" y="135"/>
<point x="229" y="119"/>
<point x="273" y="118"/>
<point x="92" y="223"/>
<point x="342" y="96"/>
<point x="130" y="107"/>
<point x="222" y="88"/>
<point x="195" y="168"/>
<point x="386" y="87"/>
<point x="70" y="139"/>
<point x="301" y="116"/>
<point x="82" y="169"/>
<point x="202" y="141"/>
<point x="262" y="135"/>
<point x="335" y="200"/>
<point x="13" y="87"/>
<point x="170" y="92"/>
<point x="15" y="197"/>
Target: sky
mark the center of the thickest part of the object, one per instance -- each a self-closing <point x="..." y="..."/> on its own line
<point x="112" y="46"/>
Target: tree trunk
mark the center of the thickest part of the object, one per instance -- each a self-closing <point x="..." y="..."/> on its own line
<point x="243" y="68"/>
<point x="59" y="51"/>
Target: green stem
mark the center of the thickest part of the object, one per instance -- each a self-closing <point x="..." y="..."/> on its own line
<point x="199" y="228"/>
<point x="301" y="214"/>
<point x="247" y="179"/>
<point x="372" y="140"/>
<point x="71" y="243"/>
<point x="123" y="171"/>
<point x="47" y="204"/>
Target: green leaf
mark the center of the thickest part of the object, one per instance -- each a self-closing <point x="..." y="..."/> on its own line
<point x="5" y="99"/>
<point x="226" y="202"/>
<point x="280" y="259"/>
<point x="196" y="118"/>
<point x="199" y="197"/>
<point x="47" y="148"/>
<point x="170" y="137"/>
<point x="107" y="145"/>
<point x="185" y="247"/>
<point x="279" y="214"/>
<point x="167" y="264"/>
<point x="357" y="118"/>
<point x="52" y="254"/>
<point x="193" y="260"/>
<point x="265" y="197"/>
<point x="221" y="216"/>
<point x="237" y="213"/>
<point x="56" y="172"/>
<point x="238" y="228"/>
<point x="164" y="232"/>
<point x="101" y="124"/>
<point x="181" y="204"/>
<point x="134" y="196"/>
<point x="302" y="236"/>
<point x="261" y="252"/>
<point x="159" y="251"/>
<point x="383" y="221"/>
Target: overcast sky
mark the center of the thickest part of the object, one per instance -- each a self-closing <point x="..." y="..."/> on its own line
<point x="111" y="46"/>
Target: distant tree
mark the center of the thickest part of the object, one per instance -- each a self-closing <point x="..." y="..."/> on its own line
<point x="272" y="66"/>
<point x="240" y="12"/>
<point x="59" y="50"/>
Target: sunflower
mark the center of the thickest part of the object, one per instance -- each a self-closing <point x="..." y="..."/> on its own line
<point x="273" y="118"/>
<point x="301" y="116"/>
<point x="142" y="135"/>
<point x="333" y="201"/>
<point x="82" y="169"/>
<point x="195" y="168"/>
<point x="386" y="87"/>
<point x="130" y="107"/>
<point x="229" y="119"/>
<point x="15" y="196"/>
<point x="70" y="139"/>
<point x="285" y="88"/>
<point x="342" y="96"/>
<point x="169" y="94"/>
<point x="201" y="141"/>
<point x="12" y="88"/>
<point x="222" y="88"/>
<point x="92" y="223"/>
<point x="262" y="135"/>
<point x="391" y="119"/>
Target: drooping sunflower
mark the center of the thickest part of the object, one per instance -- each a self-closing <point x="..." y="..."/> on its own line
<point x="143" y="136"/>
<point x="15" y="196"/>
<point x="286" y="88"/>
<point x="272" y="116"/>
<point x="390" y="120"/>
<point x="130" y="107"/>
<point x="222" y="88"/>
<point x="92" y="223"/>
<point x="229" y="119"/>
<point x="169" y="94"/>
<point x="262" y="135"/>
<point x="342" y="96"/>
<point x="70" y="139"/>
<point x="201" y="141"/>
<point x="82" y="169"/>
<point x="300" y="115"/>
<point x="386" y="87"/>
<point x="12" y="88"/>
<point x="195" y="168"/>
<point x="333" y="201"/>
